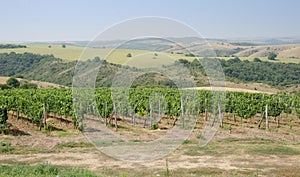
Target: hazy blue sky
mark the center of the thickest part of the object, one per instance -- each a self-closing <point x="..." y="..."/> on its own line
<point x="59" y="20"/>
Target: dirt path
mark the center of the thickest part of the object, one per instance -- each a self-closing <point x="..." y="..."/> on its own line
<point x="229" y="89"/>
<point x="95" y="160"/>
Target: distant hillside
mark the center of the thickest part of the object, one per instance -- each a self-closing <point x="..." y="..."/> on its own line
<point x="225" y="49"/>
<point x="175" y="49"/>
<point x="47" y="68"/>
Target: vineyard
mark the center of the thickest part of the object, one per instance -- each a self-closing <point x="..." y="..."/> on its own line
<point x="147" y="104"/>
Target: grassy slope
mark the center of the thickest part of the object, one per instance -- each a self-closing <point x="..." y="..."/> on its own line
<point x="118" y="56"/>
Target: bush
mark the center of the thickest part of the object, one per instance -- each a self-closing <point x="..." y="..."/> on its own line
<point x="272" y="56"/>
<point x="13" y="82"/>
<point x="5" y="147"/>
<point x="154" y="126"/>
<point x="45" y="170"/>
<point x="29" y="86"/>
<point x="256" y="60"/>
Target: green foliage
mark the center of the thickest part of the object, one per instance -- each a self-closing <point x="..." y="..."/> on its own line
<point x="45" y="170"/>
<point x="154" y="126"/>
<point x="5" y="147"/>
<point x="13" y="82"/>
<point x="11" y="46"/>
<point x="272" y="56"/>
<point x="129" y="55"/>
<point x="4" y="86"/>
<point x="186" y="142"/>
<point x="189" y="55"/>
<point x="30" y="102"/>
<point x="256" y="60"/>
<point x="73" y="145"/>
<point x="228" y="52"/>
<point x="3" y="115"/>
<point x="275" y="74"/>
<point x="29" y="86"/>
<point x="37" y="67"/>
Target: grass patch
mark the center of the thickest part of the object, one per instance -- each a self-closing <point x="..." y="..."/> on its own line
<point x="73" y="145"/>
<point x="285" y="171"/>
<point x="45" y="170"/>
<point x="253" y="146"/>
<point x="272" y="150"/>
<point x="5" y="147"/>
<point x="136" y="141"/>
<point x="64" y="133"/>
<point x="248" y="140"/>
<point x="179" y="172"/>
<point x="187" y="142"/>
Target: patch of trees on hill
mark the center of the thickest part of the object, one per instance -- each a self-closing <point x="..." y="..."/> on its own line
<point x="12" y="83"/>
<point x="37" y="67"/>
<point x="274" y="74"/>
<point x="12" y="46"/>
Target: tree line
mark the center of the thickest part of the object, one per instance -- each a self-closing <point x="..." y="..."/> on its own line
<point x="12" y="46"/>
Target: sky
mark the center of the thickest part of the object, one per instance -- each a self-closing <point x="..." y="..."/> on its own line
<point x="69" y="20"/>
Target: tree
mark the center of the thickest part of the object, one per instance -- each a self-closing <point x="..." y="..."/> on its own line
<point x="272" y="56"/>
<point x="97" y="59"/>
<point x="63" y="46"/>
<point x="256" y="60"/>
<point x="13" y="82"/>
<point x="129" y="55"/>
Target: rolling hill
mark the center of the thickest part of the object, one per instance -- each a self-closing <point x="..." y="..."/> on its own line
<point x="177" y="48"/>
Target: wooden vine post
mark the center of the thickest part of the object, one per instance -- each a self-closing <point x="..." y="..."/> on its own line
<point x="45" y="114"/>
<point x="105" y="112"/>
<point x="205" y="110"/>
<point x="115" y="116"/>
<point x="150" y="114"/>
<point x="220" y="115"/>
<point x="43" y="122"/>
<point x="261" y="119"/>
<point x="158" y="109"/>
<point x="182" y="112"/>
<point x="267" y="118"/>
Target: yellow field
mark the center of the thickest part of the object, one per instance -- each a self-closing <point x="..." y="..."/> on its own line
<point x="118" y="56"/>
<point x="139" y="58"/>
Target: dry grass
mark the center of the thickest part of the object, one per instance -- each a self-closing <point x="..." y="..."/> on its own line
<point x="241" y="151"/>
